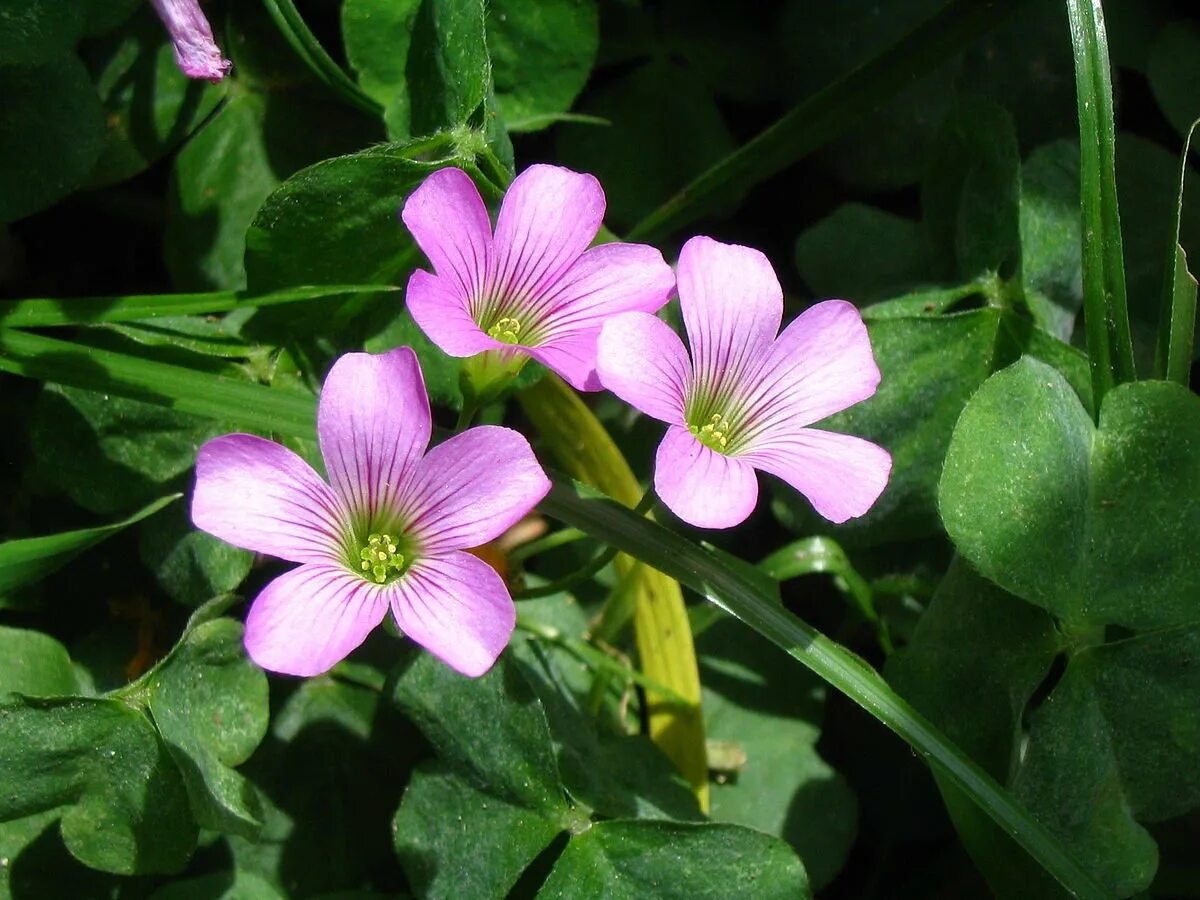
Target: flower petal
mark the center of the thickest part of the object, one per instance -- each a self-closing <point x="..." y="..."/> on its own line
<point x="642" y="361"/>
<point x="548" y="218"/>
<point x="842" y="476"/>
<point x="573" y="357"/>
<point x="309" y="619"/>
<point x="373" y="423"/>
<point x="450" y="224"/>
<point x="732" y="306"/>
<point x="820" y="364"/>
<point x="603" y="282"/>
<point x="701" y="486"/>
<point x="196" y="53"/>
<point x="471" y="489"/>
<point x="260" y="496"/>
<point x="457" y="607"/>
<point x="443" y="314"/>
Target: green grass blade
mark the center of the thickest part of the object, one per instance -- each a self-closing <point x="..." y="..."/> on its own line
<point x="41" y="313"/>
<point x="824" y="115"/>
<point x="309" y="49"/>
<point x="240" y="403"/>
<point x="1177" y="326"/>
<point x="677" y="557"/>
<point x="26" y="560"/>
<point x="1105" y="310"/>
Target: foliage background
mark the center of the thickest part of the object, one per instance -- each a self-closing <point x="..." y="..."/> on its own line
<point x="945" y="202"/>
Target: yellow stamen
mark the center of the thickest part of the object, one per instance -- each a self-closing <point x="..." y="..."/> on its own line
<point x="380" y="559"/>
<point x="506" y="330"/>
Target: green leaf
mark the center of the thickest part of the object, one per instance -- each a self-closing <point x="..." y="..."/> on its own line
<point x="36" y="313"/>
<point x="629" y="859"/>
<point x="38" y="864"/>
<point x="862" y="253"/>
<point x="825" y="114"/>
<point x="426" y="61"/>
<point x="209" y="703"/>
<point x="191" y="566"/>
<point x="542" y="54"/>
<point x="149" y="104"/>
<point x="493" y="729"/>
<point x="755" y="702"/>
<point x="252" y="406"/>
<point x="326" y="818"/>
<point x="336" y="222"/>
<point x="38" y="31"/>
<point x="1177" y="326"/>
<point x="1089" y="523"/>
<point x="1106" y="315"/>
<point x="441" y="814"/>
<point x="1173" y="69"/>
<point x="235" y="885"/>
<point x="971" y="193"/>
<point x="1051" y="259"/>
<point x="108" y="453"/>
<point x="1117" y="741"/>
<point x="639" y="158"/>
<point x="26" y="560"/>
<point x="34" y="664"/>
<point x="122" y="801"/>
<point x="51" y="132"/>
<point x="229" y="167"/>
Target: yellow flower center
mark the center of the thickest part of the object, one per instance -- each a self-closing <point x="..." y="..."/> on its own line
<point x="380" y="560"/>
<point x="714" y="433"/>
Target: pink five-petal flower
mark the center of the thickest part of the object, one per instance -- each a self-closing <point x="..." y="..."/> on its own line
<point x="745" y="397"/>
<point x="196" y="52"/>
<point x="390" y="529"/>
<point x="533" y="287"/>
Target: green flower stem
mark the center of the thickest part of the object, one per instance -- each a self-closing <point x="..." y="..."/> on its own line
<point x="598" y="660"/>
<point x="555" y="539"/>
<point x="663" y="634"/>
<point x="1105" y="312"/>
<point x="308" y="48"/>
<point x="589" y="569"/>
<point x="581" y="507"/>
<point x="824" y="115"/>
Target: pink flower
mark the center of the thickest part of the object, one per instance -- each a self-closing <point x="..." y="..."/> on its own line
<point x="533" y="287"/>
<point x="390" y="532"/>
<point x="744" y="399"/>
<point x="195" y="50"/>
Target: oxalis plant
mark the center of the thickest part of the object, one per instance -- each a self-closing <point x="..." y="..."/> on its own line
<point x="527" y="448"/>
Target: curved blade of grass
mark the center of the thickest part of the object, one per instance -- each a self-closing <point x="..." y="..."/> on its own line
<point x="660" y="623"/>
<point x="1105" y="310"/>
<point x="819" y="554"/>
<point x="606" y="520"/>
<point x="824" y="115"/>
<point x="26" y="560"/>
<point x="1177" y="326"/>
<point x="240" y="403"/>
<point x="308" y="48"/>
<point x="40" y="313"/>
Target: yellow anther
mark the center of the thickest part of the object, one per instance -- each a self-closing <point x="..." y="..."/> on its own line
<point x="507" y="330"/>
<point x="714" y="433"/>
<point x="380" y="559"/>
